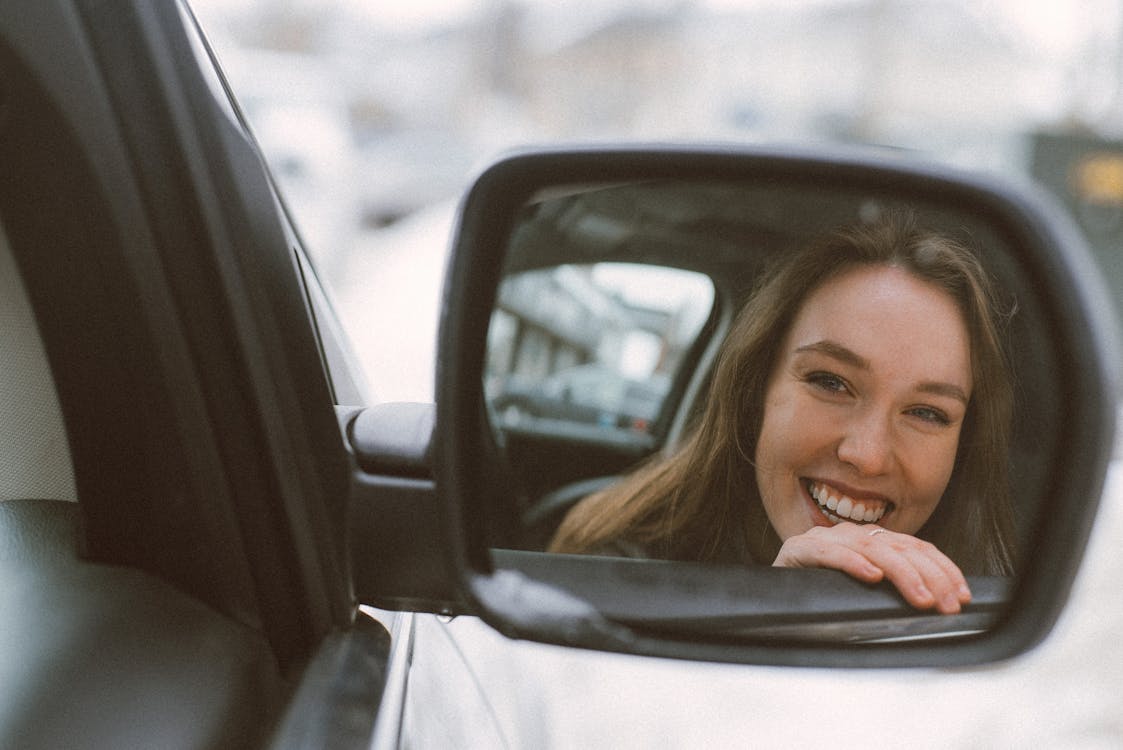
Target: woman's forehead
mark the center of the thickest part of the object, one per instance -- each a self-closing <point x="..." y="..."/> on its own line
<point x="894" y="321"/>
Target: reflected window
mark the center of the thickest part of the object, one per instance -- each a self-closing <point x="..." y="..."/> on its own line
<point x="597" y="345"/>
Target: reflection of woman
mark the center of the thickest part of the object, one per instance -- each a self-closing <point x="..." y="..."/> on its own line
<point x="857" y="420"/>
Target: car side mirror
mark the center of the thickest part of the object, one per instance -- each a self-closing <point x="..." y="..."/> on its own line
<point x="562" y="223"/>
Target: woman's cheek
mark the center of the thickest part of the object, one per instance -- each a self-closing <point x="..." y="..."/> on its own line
<point x="792" y="438"/>
<point x="928" y="469"/>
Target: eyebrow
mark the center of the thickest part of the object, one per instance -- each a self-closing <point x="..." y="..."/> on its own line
<point x="837" y="351"/>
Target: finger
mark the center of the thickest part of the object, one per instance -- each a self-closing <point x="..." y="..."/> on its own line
<point x="925" y="576"/>
<point x="816" y="550"/>
<point x="914" y="566"/>
<point x="959" y="581"/>
<point x="884" y="550"/>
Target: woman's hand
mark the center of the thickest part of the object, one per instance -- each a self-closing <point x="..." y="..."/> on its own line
<point x="926" y="577"/>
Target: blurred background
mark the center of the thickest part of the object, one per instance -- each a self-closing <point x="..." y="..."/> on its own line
<point x="374" y="116"/>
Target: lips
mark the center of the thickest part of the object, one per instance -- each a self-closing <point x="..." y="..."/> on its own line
<point x="837" y="506"/>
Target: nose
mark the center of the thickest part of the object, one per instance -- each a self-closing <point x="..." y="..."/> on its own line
<point x="867" y="443"/>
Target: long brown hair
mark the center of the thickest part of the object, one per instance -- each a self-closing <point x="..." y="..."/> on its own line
<point x="702" y="503"/>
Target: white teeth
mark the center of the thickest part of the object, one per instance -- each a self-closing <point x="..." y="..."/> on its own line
<point x="845" y="508"/>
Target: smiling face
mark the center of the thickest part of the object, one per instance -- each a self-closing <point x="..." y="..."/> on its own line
<point x="864" y="405"/>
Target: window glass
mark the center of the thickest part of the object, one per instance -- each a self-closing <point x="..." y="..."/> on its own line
<point x="34" y="453"/>
<point x="596" y="345"/>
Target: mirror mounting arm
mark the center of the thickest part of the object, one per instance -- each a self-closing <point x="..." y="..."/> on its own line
<point x="396" y="548"/>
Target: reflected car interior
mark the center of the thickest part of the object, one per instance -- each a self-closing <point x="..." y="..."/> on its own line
<point x="728" y="233"/>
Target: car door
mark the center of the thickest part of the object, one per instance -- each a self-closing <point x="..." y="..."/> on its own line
<point x="196" y="594"/>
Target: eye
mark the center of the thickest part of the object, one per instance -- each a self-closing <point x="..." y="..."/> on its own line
<point x="929" y="414"/>
<point x="828" y="381"/>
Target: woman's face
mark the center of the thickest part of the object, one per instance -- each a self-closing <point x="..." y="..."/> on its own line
<point x="864" y="405"/>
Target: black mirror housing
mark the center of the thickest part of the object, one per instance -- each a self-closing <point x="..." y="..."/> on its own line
<point x="394" y="520"/>
<point x="526" y="596"/>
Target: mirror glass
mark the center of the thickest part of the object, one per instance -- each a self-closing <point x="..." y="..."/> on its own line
<point x="616" y="303"/>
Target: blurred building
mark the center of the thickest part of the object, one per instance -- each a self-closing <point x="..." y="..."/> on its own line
<point x="425" y="107"/>
<point x="366" y="125"/>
